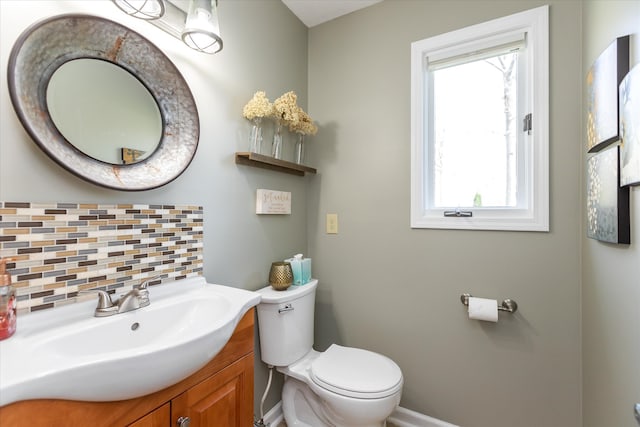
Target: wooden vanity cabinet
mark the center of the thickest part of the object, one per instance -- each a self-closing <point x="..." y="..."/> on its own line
<point x="218" y="395"/>
<point x="222" y="400"/>
<point x="157" y="418"/>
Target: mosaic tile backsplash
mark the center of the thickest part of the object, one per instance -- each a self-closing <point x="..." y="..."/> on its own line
<point x="63" y="248"/>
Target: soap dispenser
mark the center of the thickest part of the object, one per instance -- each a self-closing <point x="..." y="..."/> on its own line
<point x="8" y="313"/>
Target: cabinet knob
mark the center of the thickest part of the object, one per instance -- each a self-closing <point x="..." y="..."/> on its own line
<point x="183" y="422"/>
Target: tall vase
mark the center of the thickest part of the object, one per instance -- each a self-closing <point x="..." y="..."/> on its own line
<point x="255" y="135"/>
<point x="298" y="155"/>
<point x="276" y="147"/>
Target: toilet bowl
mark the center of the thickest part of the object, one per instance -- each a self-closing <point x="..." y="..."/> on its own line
<point x="342" y="386"/>
<point x="349" y="387"/>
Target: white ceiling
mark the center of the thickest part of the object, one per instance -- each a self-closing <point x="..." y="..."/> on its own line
<point x="315" y="12"/>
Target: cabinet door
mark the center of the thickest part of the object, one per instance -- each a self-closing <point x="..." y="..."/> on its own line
<point x="223" y="400"/>
<point x="161" y="417"/>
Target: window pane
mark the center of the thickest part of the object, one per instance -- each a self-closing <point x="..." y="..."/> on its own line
<point x="474" y="151"/>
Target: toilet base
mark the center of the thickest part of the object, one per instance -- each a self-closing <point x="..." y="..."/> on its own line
<point x="301" y="407"/>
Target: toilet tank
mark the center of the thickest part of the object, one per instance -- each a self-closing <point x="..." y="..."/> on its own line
<point x="285" y="323"/>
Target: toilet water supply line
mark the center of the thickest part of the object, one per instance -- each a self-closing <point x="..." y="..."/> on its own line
<point x="260" y="422"/>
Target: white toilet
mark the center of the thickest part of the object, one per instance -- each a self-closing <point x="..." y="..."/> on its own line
<point x="343" y="386"/>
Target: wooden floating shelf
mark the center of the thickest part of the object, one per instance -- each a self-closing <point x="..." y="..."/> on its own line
<point x="268" y="162"/>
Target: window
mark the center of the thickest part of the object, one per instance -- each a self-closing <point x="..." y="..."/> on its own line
<point x="479" y="126"/>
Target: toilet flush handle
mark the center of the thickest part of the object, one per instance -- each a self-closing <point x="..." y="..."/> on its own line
<point x="285" y="308"/>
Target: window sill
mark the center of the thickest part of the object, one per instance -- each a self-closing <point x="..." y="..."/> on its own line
<point x="479" y="222"/>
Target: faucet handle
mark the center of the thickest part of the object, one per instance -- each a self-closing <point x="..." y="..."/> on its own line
<point x="105" y="305"/>
<point x="104" y="299"/>
<point x="143" y="291"/>
<point x="145" y="283"/>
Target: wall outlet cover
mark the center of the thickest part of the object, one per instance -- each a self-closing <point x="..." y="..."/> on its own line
<point x="332" y="223"/>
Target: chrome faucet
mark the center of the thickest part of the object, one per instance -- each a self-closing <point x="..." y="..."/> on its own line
<point x="132" y="300"/>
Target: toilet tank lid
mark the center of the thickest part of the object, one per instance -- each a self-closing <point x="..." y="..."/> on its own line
<point x="271" y="296"/>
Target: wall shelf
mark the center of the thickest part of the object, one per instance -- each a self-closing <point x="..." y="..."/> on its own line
<point x="267" y="162"/>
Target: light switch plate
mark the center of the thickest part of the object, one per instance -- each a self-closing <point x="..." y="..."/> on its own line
<point x="332" y="223"/>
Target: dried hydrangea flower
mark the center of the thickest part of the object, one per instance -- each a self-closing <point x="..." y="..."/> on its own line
<point x="258" y="107"/>
<point x="285" y="108"/>
<point x="304" y="125"/>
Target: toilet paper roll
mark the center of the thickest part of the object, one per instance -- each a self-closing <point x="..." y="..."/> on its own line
<point x="483" y="309"/>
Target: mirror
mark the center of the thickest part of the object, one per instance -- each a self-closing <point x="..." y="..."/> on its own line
<point x="102" y="110"/>
<point x="53" y="57"/>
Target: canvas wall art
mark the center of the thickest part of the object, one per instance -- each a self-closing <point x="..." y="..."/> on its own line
<point x="607" y="202"/>
<point x="630" y="128"/>
<point x="603" y="80"/>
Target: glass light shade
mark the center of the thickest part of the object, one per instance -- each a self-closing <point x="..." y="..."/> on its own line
<point x="202" y="31"/>
<point x="143" y="9"/>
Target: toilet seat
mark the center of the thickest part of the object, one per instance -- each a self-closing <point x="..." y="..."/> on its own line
<point x="355" y="372"/>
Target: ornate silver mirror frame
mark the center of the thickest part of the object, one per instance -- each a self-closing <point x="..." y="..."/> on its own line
<point x="47" y="45"/>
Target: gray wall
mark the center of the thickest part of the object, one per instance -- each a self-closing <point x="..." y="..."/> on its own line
<point x="265" y="48"/>
<point x="391" y="289"/>
<point x="610" y="286"/>
<point x="384" y="286"/>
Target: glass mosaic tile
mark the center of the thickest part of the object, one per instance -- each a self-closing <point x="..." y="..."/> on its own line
<point x="61" y="248"/>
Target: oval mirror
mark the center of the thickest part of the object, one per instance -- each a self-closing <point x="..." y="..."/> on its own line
<point x="104" y="111"/>
<point x="60" y="52"/>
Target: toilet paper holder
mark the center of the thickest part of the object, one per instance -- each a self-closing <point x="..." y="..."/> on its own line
<point x="508" y="305"/>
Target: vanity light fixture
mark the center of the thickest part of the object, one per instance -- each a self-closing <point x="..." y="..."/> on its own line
<point x="202" y="30"/>
<point x="196" y="24"/>
<point x="143" y="9"/>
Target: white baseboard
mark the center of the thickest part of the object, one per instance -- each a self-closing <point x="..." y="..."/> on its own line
<point x="401" y="417"/>
<point x="274" y="417"/>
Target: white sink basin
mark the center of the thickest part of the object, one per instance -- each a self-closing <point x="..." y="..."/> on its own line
<point x="66" y="353"/>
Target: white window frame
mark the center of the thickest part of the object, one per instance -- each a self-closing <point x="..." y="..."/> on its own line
<point x="533" y="215"/>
